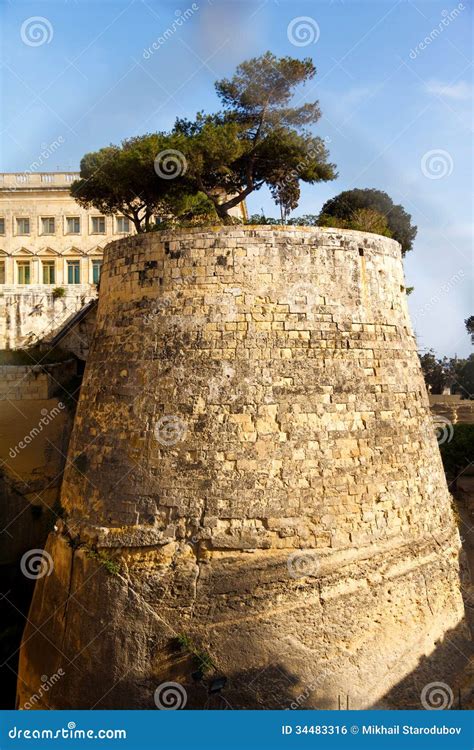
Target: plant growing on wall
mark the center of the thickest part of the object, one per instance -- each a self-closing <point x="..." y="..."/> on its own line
<point x="346" y="207"/>
<point x="362" y="219"/>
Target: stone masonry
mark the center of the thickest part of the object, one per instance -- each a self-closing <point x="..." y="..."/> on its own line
<point x="20" y="382"/>
<point x="253" y="448"/>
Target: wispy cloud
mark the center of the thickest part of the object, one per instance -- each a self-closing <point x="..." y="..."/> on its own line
<point x="354" y="96"/>
<point x="460" y="90"/>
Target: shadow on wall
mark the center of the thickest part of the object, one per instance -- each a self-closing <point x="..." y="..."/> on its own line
<point x="441" y="680"/>
<point x="24" y="526"/>
<point x="176" y="680"/>
<point x="442" y="676"/>
<point x="451" y="665"/>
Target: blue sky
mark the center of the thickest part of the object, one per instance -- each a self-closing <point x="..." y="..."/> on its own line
<point x="396" y="109"/>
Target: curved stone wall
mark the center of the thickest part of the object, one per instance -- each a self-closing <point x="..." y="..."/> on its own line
<point x="253" y="446"/>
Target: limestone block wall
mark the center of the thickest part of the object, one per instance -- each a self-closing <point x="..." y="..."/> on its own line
<point x="452" y="408"/>
<point x="30" y="313"/>
<point x="26" y="382"/>
<point x="254" y="444"/>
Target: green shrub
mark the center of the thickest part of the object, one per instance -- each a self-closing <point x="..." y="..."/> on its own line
<point x="58" y="292"/>
<point x="458" y="452"/>
<point x="104" y="559"/>
<point x="202" y="659"/>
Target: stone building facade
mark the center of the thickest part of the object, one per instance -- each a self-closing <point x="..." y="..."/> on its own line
<point x="47" y="241"/>
<point x="46" y="238"/>
<point x="253" y="471"/>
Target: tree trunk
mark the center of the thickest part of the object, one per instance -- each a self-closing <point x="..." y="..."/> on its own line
<point x="223" y="214"/>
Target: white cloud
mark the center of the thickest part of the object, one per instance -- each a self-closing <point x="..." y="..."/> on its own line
<point x="460" y="90"/>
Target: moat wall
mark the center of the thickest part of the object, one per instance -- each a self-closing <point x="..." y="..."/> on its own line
<point x="253" y="445"/>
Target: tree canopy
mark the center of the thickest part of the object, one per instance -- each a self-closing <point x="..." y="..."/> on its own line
<point x="257" y="139"/>
<point x="469" y="323"/>
<point x="347" y="207"/>
<point x="362" y="219"/>
<point x="455" y="372"/>
<point x="123" y="179"/>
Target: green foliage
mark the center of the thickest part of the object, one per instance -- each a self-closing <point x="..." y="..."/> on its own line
<point x="398" y="221"/>
<point x="464" y="376"/>
<point x="362" y="219"/>
<point x="286" y="194"/>
<point x="122" y="179"/>
<point x="104" y="559"/>
<point x="189" y="211"/>
<point x="435" y="371"/>
<point x="203" y="661"/>
<point x="458" y="452"/>
<point x="469" y="323"/>
<point x="58" y="292"/>
<point x="259" y="138"/>
<point x="260" y="219"/>
<point x="456" y="373"/>
<point x="184" y="642"/>
<point x="307" y="220"/>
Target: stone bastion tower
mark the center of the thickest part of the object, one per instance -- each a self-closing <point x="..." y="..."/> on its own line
<point x="254" y="490"/>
